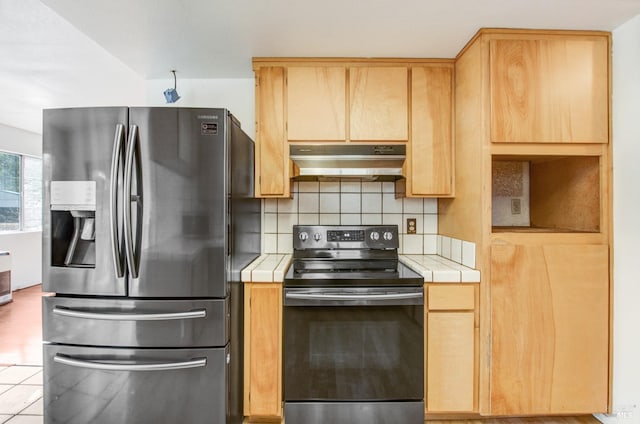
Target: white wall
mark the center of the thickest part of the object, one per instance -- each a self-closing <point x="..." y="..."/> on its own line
<point x="20" y="141"/>
<point x="237" y="95"/>
<point x="25" y="246"/>
<point x="626" y="205"/>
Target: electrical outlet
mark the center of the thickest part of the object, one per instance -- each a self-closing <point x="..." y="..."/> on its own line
<point x="411" y="226"/>
<point x="516" y="207"/>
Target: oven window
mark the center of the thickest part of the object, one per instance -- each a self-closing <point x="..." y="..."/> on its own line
<point x="353" y="353"/>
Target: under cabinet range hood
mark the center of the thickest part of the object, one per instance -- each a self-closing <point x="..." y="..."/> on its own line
<point x="370" y="161"/>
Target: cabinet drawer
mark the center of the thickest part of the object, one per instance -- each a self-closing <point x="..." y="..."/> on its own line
<point x="441" y="297"/>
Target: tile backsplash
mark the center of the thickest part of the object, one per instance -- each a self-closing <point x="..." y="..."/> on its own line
<point x="460" y="251"/>
<point x="349" y="202"/>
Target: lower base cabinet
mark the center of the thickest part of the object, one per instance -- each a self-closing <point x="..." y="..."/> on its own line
<point x="549" y="329"/>
<point x="263" y="351"/>
<point x="451" y="340"/>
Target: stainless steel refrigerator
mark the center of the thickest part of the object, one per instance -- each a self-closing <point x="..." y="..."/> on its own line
<point x="149" y="217"/>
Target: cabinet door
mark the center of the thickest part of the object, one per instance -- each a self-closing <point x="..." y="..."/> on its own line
<point x="549" y="90"/>
<point x="316" y="100"/>
<point x="549" y="329"/>
<point x="378" y="103"/>
<point x="450" y="361"/>
<point x="272" y="158"/>
<point x="263" y="350"/>
<point x="431" y="127"/>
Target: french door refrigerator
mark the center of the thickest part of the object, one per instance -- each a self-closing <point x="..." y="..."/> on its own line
<point x="149" y="217"/>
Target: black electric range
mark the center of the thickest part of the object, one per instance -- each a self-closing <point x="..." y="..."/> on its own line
<point x="355" y="256"/>
<point x="353" y="326"/>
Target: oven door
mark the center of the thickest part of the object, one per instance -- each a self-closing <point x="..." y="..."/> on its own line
<point x="354" y="345"/>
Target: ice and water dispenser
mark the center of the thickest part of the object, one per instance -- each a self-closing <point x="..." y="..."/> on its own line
<point x="73" y="218"/>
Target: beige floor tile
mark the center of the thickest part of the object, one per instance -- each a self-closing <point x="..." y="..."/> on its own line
<point x="36" y="408"/>
<point x="4" y="388"/>
<point x="4" y="418"/>
<point x="17" y="374"/>
<point x="26" y="419"/>
<point x="18" y="398"/>
<point x="34" y="379"/>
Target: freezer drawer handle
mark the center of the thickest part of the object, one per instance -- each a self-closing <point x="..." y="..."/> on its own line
<point x="166" y="316"/>
<point x="166" y="366"/>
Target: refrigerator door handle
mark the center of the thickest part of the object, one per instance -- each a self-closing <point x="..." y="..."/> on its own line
<point x="128" y="180"/>
<point x="161" y="316"/>
<point x="116" y="159"/>
<point x="114" y="366"/>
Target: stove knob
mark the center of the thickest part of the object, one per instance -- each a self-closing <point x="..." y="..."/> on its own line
<point x="303" y="236"/>
<point x="317" y="236"/>
<point x="375" y="236"/>
<point x="387" y="235"/>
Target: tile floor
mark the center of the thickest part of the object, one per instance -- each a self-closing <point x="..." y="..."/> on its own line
<point x="21" y="358"/>
<point x="21" y="394"/>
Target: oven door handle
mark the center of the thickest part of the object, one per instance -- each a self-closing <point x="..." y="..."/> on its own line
<point x="299" y="298"/>
<point x="351" y="296"/>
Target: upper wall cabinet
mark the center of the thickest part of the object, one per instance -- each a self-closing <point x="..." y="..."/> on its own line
<point x="549" y="88"/>
<point x="407" y="101"/>
<point x="317" y="99"/>
<point x="377" y="108"/>
<point x="430" y="163"/>
<point x="272" y="158"/>
<point x="378" y="103"/>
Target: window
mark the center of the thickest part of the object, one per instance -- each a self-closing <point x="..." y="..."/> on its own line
<point x="20" y="192"/>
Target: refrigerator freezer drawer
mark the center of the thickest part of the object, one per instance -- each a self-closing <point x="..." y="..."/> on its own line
<point x="136" y="322"/>
<point x="134" y="386"/>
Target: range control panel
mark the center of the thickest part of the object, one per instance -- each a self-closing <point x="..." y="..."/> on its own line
<point x="345" y="237"/>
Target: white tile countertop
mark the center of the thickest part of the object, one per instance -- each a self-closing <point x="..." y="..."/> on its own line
<point x="271" y="268"/>
<point x="266" y="268"/>
<point x="437" y="269"/>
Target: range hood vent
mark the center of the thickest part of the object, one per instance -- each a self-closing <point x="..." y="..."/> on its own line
<point x="370" y="161"/>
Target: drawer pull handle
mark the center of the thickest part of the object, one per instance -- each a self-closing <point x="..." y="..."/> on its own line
<point x="165" y="316"/>
<point x="165" y="366"/>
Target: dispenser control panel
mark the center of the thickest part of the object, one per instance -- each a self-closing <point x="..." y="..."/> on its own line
<point x="73" y="195"/>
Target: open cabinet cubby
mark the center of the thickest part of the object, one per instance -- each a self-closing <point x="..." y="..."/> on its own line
<point x="545" y="194"/>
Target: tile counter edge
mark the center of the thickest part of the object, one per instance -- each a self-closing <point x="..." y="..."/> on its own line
<point x="266" y="268"/>
<point x="437" y="269"/>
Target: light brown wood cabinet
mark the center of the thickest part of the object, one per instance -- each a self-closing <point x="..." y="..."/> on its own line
<point x="263" y="350"/>
<point x="450" y="353"/>
<point x="430" y="160"/>
<point x="378" y="103"/>
<point x="316" y="96"/>
<point x="361" y="100"/>
<point x="549" y="335"/>
<point x="271" y="154"/>
<point x="549" y="88"/>
<point x="544" y="299"/>
<point x="377" y="108"/>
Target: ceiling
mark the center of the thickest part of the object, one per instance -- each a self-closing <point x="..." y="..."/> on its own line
<point x="57" y="49"/>
<point x="216" y="39"/>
